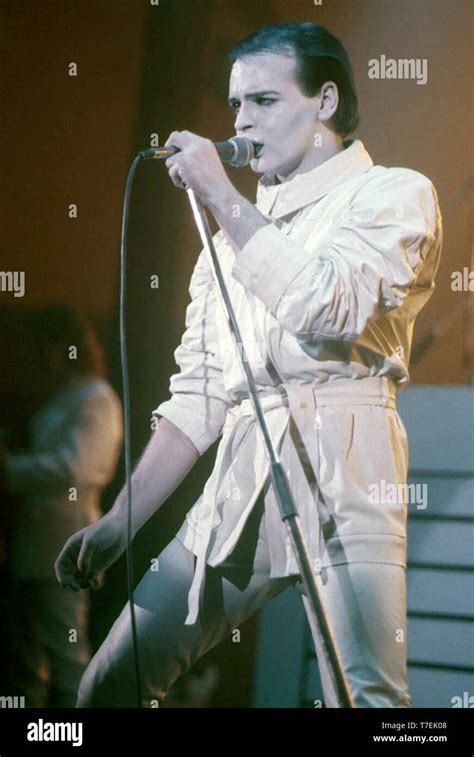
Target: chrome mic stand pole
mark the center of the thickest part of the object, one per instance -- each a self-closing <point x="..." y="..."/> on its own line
<point x="285" y="501"/>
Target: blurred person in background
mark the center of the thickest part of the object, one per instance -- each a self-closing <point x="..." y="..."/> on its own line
<point x="75" y="436"/>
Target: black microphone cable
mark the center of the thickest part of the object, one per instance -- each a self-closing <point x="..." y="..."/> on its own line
<point x="126" y="404"/>
<point x="237" y="151"/>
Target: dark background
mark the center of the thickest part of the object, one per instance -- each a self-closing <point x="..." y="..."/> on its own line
<point x="146" y="69"/>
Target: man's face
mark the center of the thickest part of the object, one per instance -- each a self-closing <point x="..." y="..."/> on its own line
<point x="272" y="111"/>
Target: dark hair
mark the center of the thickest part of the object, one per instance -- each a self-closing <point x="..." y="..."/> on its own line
<point x="61" y="325"/>
<point x="320" y="57"/>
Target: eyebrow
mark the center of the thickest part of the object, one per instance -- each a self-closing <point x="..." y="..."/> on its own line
<point x="252" y="95"/>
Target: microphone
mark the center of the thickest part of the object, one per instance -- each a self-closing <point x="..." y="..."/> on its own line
<point x="237" y="151"/>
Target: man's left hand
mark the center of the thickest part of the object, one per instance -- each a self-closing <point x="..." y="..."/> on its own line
<point x="198" y="166"/>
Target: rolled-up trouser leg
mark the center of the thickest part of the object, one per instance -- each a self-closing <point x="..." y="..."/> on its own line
<point x="168" y="648"/>
<point x="366" y="605"/>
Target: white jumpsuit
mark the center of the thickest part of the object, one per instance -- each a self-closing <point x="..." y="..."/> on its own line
<point x="325" y="297"/>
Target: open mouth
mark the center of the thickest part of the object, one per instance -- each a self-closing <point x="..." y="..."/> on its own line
<point x="258" y="149"/>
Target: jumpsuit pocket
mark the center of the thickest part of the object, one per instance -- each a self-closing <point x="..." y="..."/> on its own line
<point x="335" y="430"/>
<point x="402" y="438"/>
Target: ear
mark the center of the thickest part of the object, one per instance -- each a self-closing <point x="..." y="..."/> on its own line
<point x="329" y="100"/>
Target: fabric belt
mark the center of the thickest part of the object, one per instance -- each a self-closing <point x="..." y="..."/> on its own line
<point x="297" y="400"/>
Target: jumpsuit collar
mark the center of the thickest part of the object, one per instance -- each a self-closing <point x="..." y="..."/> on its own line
<point x="279" y="200"/>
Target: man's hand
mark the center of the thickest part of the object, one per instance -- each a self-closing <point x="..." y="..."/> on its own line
<point x="89" y="552"/>
<point x="198" y="166"/>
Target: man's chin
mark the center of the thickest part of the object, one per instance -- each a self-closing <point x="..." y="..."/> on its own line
<point x="257" y="165"/>
<point x="264" y="166"/>
<point x="260" y="165"/>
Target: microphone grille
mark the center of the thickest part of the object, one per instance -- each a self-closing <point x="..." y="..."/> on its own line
<point x="244" y="151"/>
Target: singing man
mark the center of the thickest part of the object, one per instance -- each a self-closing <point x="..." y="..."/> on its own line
<point x="326" y="273"/>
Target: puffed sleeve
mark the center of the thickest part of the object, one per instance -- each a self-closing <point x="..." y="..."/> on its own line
<point x="199" y="402"/>
<point x="364" y="267"/>
<point x="85" y="454"/>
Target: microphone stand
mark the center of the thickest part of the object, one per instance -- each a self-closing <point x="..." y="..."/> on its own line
<point x="314" y="608"/>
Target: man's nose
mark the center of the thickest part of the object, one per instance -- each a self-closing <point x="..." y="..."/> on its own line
<point x="245" y="119"/>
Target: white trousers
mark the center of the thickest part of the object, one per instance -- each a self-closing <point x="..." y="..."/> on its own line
<point x="365" y="603"/>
